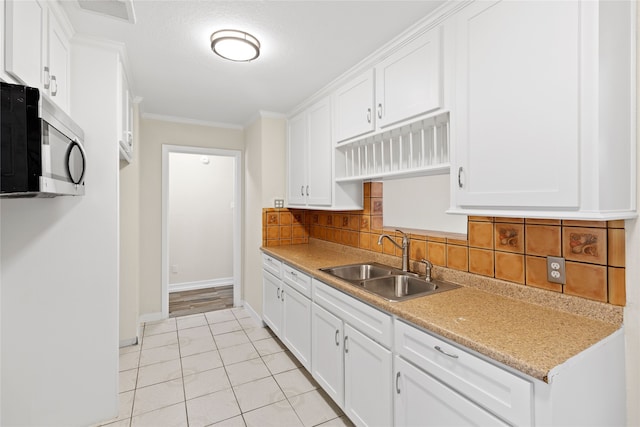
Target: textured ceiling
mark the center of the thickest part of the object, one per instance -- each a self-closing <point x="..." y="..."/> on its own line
<point x="305" y="45"/>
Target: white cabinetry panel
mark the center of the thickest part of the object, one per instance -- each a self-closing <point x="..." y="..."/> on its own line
<point x="327" y="360"/>
<point x="354" y="114"/>
<point x="25" y="29"/>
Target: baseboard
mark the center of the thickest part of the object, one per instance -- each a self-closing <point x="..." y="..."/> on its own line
<point x="128" y="342"/>
<point x="252" y="312"/>
<point x="202" y="284"/>
<point x="150" y="317"/>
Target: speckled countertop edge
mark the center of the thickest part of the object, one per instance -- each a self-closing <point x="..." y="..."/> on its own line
<point x="528" y="329"/>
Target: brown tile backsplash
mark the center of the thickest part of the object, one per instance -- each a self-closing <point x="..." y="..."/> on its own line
<point x="512" y="249"/>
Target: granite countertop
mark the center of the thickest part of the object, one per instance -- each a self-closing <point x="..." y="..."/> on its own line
<point x="498" y="321"/>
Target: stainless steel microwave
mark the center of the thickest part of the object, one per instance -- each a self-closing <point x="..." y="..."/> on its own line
<point x="41" y="147"/>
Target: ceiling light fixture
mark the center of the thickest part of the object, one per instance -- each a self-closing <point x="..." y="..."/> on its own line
<point x="235" y="45"/>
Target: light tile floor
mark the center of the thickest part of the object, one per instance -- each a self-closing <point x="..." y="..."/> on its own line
<point x="219" y="368"/>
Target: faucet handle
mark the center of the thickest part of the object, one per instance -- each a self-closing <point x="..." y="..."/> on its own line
<point x="405" y="237"/>
<point x="429" y="266"/>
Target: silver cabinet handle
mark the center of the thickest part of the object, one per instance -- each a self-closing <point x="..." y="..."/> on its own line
<point x="453" y="356"/>
<point x="346" y="348"/>
<point x="380" y="110"/>
<point x="368" y="115"/>
<point x="302" y="190"/>
<point x="337" y="339"/>
<point x="397" y="380"/>
<point x="460" y="171"/>
<point x="307" y="190"/>
<point x="47" y="78"/>
<point x="278" y="293"/>
<point x="294" y="274"/>
<point x="282" y="295"/>
<point x="54" y="86"/>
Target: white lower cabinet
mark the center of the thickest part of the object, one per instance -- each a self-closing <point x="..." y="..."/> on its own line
<point x="271" y="302"/>
<point x="351" y="367"/>
<point x="367" y="383"/>
<point x="286" y="307"/>
<point x="327" y="357"/>
<point x="422" y="401"/>
<point x="296" y="325"/>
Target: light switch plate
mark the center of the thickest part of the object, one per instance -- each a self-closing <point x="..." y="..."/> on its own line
<point x="556" y="270"/>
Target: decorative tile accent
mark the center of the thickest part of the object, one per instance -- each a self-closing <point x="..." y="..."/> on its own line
<point x="272" y="218"/>
<point x="509" y="237"/>
<point x="585" y="244"/>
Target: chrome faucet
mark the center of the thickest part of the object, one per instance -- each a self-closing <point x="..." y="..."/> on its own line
<point x="429" y="266"/>
<point x="404" y="247"/>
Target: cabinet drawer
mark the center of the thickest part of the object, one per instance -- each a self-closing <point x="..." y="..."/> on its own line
<point x="490" y="386"/>
<point x="297" y="280"/>
<point x="272" y="265"/>
<point x="366" y="319"/>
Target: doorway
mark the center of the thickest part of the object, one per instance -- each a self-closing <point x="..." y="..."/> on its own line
<point x="201" y="221"/>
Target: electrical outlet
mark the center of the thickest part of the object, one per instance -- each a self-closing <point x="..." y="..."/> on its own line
<point x="278" y="203"/>
<point x="555" y="270"/>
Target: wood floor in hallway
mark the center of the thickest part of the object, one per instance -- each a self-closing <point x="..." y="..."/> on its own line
<point x="200" y="301"/>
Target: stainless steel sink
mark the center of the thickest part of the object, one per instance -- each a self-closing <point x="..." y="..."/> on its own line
<point x="357" y="272"/>
<point x="402" y="287"/>
<point x="388" y="282"/>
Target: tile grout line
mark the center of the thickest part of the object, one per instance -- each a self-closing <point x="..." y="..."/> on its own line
<point x="184" y="392"/>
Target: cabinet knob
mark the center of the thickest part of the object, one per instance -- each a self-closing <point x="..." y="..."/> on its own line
<point x="460" y="172"/>
<point x="380" y="110"/>
<point x="368" y="115"/>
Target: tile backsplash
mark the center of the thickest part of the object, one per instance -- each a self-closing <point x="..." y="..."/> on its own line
<point x="511" y="249"/>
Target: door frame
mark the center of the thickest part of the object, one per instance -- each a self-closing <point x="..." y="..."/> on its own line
<point x="237" y="216"/>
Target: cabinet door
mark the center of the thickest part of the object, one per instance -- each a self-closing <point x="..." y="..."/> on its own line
<point x="327" y="360"/>
<point x="25" y="26"/>
<point x="297" y="159"/>
<point x="517" y="104"/>
<point x="296" y="326"/>
<point x="59" y="58"/>
<point x="319" y="154"/>
<point x="368" y="395"/>
<point x="353" y="105"/>
<point x="409" y="82"/>
<point x="272" y="302"/>
<point x="422" y="401"/>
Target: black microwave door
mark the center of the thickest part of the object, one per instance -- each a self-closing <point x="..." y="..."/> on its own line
<point x="20" y="136"/>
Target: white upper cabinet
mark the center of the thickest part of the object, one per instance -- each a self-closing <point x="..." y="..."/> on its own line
<point x="25" y="27"/>
<point x="543" y="124"/>
<point x="409" y="82"/>
<point x="402" y="86"/>
<point x="354" y="114"/>
<point x="319" y="176"/>
<point x="37" y="50"/>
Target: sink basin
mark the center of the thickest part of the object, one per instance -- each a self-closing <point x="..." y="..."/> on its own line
<point x="358" y="272"/>
<point x="402" y="287"/>
<point x="388" y="282"/>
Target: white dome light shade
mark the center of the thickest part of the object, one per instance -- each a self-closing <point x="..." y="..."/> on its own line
<point x="235" y="45"/>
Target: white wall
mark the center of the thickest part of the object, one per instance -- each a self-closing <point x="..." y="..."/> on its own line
<point x="632" y="309"/>
<point x="153" y="134"/>
<point x="59" y="277"/>
<point x="130" y="242"/>
<point x="264" y="180"/>
<point x="201" y="197"/>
